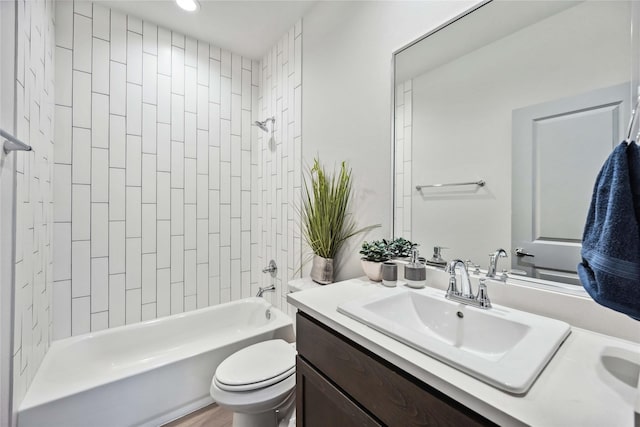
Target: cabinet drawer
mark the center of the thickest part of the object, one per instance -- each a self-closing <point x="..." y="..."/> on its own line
<point x="393" y="396"/>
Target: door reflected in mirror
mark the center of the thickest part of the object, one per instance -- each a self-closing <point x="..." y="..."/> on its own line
<point x="532" y="105"/>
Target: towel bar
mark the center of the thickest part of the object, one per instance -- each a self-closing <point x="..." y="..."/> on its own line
<point x="12" y="143"/>
<point x="479" y="183"/>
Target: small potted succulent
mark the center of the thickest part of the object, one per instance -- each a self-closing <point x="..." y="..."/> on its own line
<point x="401" y="247"/>
<point x="373" y="255"/>
<point x="378" y="251"/>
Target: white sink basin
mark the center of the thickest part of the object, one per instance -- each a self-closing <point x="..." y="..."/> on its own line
<point x="504" y="347"/>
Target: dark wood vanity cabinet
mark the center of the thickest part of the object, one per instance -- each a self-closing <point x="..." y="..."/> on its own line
<point x="340" y="383"/>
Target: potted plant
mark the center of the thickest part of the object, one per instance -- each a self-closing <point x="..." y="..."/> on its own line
<point x="400" y="247"/>
<point x="325" y="217"/>
<point x="374" y="254"/>
<point x="379" y="251"/>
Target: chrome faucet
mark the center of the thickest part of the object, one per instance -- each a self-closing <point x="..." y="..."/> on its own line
<point x="465" y="295"/>
<point x="261" y="291"/>
<point x="466" y="284"/>
<point x="493" y="264"/>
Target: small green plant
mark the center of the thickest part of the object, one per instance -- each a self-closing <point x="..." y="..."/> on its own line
<point x="400" y="247"/>
<point x="382" y="250"/>
<point x="376" y="251"/>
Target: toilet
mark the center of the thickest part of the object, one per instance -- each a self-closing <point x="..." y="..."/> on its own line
<point x="258" y="384"/>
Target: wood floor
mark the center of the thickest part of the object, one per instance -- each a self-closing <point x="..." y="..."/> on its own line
<point x="209" y="416"/>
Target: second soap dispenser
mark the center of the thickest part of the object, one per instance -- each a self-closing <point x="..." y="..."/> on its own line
<point x="415" y="273"/>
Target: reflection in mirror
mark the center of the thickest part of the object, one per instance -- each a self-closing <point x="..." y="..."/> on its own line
<point x="532" y="104"/>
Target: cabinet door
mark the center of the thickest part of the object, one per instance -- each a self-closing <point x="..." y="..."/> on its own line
<point x="319" y="403"/>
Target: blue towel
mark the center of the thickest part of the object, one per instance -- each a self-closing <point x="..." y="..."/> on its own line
<point x="610" y="267"/>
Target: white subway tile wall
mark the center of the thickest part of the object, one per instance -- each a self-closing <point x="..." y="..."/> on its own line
<point x="404" y="189"/>
<point x="34" y="272"/>
<point x="167" y="198"/>
<point x="274" y="188"/>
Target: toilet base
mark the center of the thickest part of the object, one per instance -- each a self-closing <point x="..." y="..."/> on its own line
<point x="254" y="420"/>
<point x="271" y="418"/>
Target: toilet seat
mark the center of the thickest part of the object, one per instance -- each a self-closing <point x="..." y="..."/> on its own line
<point x="256" y="366"/>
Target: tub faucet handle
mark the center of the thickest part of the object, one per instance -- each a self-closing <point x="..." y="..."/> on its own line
<point x="272" y="268"/>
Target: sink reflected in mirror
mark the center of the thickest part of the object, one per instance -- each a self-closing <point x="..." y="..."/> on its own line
<point x="503" y="347"/>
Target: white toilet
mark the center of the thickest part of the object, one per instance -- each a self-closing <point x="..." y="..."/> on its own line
<point x="257" y="383"/>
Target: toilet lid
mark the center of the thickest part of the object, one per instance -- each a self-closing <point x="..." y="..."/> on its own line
<point x="256" y="366"/>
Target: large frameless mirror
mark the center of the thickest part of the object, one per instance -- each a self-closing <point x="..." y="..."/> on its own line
<point x="503" y="118"/>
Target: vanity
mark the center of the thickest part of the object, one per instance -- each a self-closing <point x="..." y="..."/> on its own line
<point x="351" y="374"/>
<point x="336" y="379"/>
<point x="498" y="134"/>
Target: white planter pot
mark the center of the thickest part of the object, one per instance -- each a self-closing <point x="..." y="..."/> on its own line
<point x="372" y="269"/>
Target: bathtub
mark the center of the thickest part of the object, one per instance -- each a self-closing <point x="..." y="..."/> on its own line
<point x="147" y="373"/>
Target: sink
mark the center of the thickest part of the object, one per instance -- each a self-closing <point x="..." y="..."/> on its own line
<point x="622" y="365"/>
<point x="503" y="347"/>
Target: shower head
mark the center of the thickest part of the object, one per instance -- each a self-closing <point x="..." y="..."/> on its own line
<point x="263" y="124"/>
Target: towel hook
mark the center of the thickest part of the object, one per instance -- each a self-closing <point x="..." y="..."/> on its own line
<point x="632" y="121"/>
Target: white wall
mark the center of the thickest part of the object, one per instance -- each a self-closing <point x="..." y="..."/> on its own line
<point x="158" y="167"/>
<point x="346" y="112"/>
<point x="34" y="195"/>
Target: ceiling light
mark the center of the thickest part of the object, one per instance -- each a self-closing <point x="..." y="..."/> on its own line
<point x="188" y="5"/>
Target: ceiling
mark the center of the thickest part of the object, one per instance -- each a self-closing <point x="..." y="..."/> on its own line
<point x="249" y="28"/>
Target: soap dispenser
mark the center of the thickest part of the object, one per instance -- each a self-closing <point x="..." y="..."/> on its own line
<point x="437" y="260"/>
<point x="415" y="273"/>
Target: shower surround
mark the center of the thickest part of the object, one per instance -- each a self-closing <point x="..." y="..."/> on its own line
<point x="167" y="199"/>
<point x="34" y="95"/>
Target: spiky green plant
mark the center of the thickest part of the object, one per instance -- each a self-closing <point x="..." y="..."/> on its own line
<point x="326" y="220"/>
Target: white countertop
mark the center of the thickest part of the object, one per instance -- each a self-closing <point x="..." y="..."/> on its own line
<point x="575" y="389"/>
<point x="302" y="284"/>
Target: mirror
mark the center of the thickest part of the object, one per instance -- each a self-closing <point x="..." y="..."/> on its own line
<point x="517" y="104"/>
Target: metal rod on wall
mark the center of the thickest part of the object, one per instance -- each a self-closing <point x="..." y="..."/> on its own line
<point x="12" y="143"/>
<point x="479" y="183"/>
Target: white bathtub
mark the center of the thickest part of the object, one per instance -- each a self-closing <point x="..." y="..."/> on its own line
<point x="148" y="373"/>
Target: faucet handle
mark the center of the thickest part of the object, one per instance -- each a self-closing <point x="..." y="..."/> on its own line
<point x="504" y="276"/>
<point x="453" y="287"/>
<point x="483" y="295"/>
<point x="476" y="267"/>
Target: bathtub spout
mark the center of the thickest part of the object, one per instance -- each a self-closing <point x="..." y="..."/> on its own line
<point x="261" y="291"/>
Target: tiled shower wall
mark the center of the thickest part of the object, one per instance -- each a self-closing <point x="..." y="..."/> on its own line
<point x="403" y="185"/>
<point x="154" y="208"/>
<point x="34" y="198"/>
<point x="277" y="162"/>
